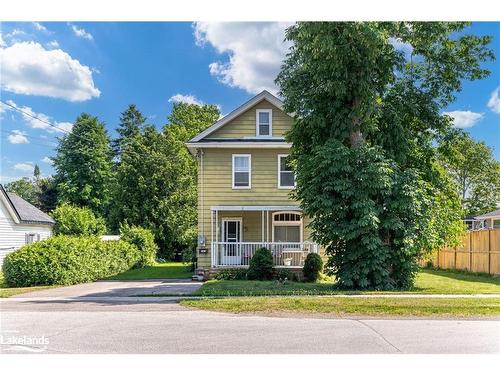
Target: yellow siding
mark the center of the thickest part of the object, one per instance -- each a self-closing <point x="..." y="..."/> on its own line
<point x="215" y="189"/>
<point x="244" y="125"/>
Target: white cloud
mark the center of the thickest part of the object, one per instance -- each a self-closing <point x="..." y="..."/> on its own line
<point x="28" y="68"/>
<point x="40" y="122"/>
<point x="17" y="137"/>
<point x="15" y="32"/>
<point x="81" y="33"/>
<point x="53" y="44"/>
<point x="494" y="102"/>
<point x="25" y="167"/>
<point x="47" y="160"/>
<point x="464" y="119"/>
<point x="2" y="42"/>
<point x="7" y="179"/>
<point x="39" y="26"/>
<point x="188" y="99"/>
<point x="255" y="49"/>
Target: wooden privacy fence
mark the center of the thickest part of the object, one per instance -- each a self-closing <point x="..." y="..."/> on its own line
<point x="479" y="252"/>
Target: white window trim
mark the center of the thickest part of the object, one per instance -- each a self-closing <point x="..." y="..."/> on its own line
<point x="249" y="171"/>
<point x="270" y="111"/>
<point x="279" y="174"/>
<point x="289" y="223"/>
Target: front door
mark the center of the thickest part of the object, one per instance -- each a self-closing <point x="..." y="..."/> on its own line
<point x="231" y="238"/>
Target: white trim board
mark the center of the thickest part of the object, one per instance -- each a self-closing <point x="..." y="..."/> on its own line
<point x="255" y="208"/>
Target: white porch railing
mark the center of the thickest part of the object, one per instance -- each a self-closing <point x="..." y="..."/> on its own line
<point x="238" y="254"/>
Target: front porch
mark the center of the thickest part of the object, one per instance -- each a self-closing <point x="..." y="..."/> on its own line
<point x="238" y="231"/>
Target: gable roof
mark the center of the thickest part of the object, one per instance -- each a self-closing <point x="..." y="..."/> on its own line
<point x="489" y="215"/>
<point x="22" y="211"/>
<point x="264" y="95"/>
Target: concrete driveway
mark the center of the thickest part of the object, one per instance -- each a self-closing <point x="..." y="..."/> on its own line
<point x="105" y="289"/>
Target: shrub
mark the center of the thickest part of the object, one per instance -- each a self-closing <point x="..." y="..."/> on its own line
<point x="144" y="239"/>
<point x="261" y="265"/>
<point x="77" y="221"/>
<point x="313" y="265"/>
<point x="231" y="274"/>
<point x="66" y="260"/>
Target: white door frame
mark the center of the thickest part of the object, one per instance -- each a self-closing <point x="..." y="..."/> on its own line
<point x="235" y="257"/>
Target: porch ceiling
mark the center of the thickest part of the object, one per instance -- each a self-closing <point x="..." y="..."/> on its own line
<point x="255" y="208"/>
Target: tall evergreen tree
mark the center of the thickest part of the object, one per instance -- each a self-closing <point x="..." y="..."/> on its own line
<point x="157" y="179"/>
<point x="83" y="165"/>
<point x="36" y="172"/>
<point x="132" y="123"/>
<point x="363" y="142"/>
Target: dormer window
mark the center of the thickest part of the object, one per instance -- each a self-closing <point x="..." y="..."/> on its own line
<point x="264" y="122"/>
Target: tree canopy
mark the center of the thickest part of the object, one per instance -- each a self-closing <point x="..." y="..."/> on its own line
<point x="368" y="116"/>
<point x="132" y="123"/>
<point x="156" y="179"/>
<point x="474" y="170"/>
<point x="83" y="165"/>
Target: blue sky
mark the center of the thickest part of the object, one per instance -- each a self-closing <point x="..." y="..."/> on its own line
<point x="59" y="70"/>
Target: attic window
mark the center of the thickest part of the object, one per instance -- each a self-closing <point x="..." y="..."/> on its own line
<point x="264" y="122"/>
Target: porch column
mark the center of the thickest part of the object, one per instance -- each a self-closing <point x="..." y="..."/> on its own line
<point x="267" y="226"/>
<point x="212" y="246"/>
<point x="216" y="237"/>
<point x="262" y="222"/>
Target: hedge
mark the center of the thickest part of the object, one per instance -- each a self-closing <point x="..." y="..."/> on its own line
<point x="144" y="239"/>
<point x="77" y="221"/>
<point x="66" y="260"/>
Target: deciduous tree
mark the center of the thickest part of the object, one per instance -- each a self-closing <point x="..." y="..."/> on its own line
<point x="367" y="118"/>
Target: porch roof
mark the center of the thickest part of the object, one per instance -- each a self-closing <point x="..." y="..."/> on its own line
<point x="255" y="208"/>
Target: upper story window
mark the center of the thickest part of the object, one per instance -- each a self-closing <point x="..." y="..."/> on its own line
<point x="264" y="122"/>
<point x="286" y="176"/>
<point x="242" y="171"/>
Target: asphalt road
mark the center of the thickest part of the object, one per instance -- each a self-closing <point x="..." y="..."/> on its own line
<point x="129" y="327"/>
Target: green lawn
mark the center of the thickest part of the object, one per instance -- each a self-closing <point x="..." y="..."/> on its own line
<point x="5" y="291"/>
<point x="427" y="282"/>
<point x="445" y="307"/>
<point x="168" y="270"/>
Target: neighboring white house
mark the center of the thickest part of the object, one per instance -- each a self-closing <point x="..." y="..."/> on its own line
<point x="490" y="220"/>
<point x="20" y="223"/>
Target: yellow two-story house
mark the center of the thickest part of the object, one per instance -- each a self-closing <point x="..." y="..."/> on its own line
<point x="244" y="185"/>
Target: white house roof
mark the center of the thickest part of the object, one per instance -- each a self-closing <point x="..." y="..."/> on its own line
<point x="264" y="95"/>
<point x="22" y="211"/>
<point x="489" y="215"/>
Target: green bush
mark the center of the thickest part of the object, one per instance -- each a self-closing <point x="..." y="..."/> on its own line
<point x="231" y="274"/>
<point x="144" y="239"/>
<point x="261" y="265"/>
<point x="313" y="265"/>
<point x="77" y="221"/>
<point x="66" y="260"/>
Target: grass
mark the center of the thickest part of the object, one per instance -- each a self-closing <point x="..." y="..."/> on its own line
<point x="5" y="291"/>
<point x="168" y="270"/>
<point x="445" y="307"/>
<point x="427" y="282"/>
